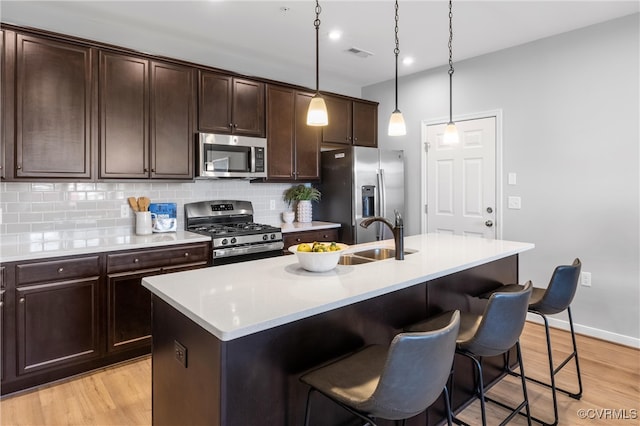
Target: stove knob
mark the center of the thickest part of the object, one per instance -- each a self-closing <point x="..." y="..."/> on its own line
<point x="273" y="236"/>
<point x="233" y="240"/>
<point x="265" y="237"/>
<point x="224" y="242"/>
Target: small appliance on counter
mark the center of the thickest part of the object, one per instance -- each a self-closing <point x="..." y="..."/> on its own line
<point x="164" y="217"/>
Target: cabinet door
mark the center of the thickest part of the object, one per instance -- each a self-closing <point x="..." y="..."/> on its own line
<point x="339" y="128"/>
<point x="128" y="311"/>
<point x="280" y="132"/>
<point x="172" y="117"/>
<point x="365" y="124"/>
<point x="57" y="324"/>
<point x="248" y="108"/>
<point x="53" y="95"/>
<point x="214" y="102"/>
<point x="124" y="121"/>
<point x="307" y="142"/>
<point x="7" y="52"/>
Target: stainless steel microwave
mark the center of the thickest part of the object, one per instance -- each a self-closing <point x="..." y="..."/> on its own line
<point x="229" y="156"/>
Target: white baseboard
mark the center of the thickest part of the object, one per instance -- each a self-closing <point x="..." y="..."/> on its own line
<point x="588" y="331"/>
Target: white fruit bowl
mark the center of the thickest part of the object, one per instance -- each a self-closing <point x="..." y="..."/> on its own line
<point x="318" y="261"/>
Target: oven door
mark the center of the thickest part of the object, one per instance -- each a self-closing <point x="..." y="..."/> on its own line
<point x="243" y="257"/>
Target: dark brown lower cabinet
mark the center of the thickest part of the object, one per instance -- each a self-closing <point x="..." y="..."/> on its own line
<point x="57" y="324"/>
<point x="128" y="311"/>
<point x="320" y="235"/>
<point x="64" y="316"/>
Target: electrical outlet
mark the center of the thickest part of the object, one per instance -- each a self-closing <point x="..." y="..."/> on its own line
<point x="272" y="204"/>
<point x="514" y="203"/>
<point x="180" y="352"/>
<point x="585" y="279"/>
<point x="124" y="211"/>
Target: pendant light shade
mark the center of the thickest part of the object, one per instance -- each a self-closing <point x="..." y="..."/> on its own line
<point x="396" y="122"/>
<point x="450" y="132"/>
<point x="317" y="114"/>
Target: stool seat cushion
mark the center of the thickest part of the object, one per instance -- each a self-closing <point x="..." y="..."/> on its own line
<point x="353" y="379"/>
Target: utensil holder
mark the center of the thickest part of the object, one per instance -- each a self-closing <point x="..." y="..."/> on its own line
<point x="143" y="223"/>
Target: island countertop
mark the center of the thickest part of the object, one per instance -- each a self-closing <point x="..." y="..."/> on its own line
<point x="233" y="301"/>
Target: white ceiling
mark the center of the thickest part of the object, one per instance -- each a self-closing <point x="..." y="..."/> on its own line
<point x="259" y="38"/>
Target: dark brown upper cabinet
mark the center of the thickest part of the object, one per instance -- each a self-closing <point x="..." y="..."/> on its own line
<point x="47" y="94"/>
<point x="293" y="147"/>
<point x="230" y="105"/>
<point x="146" y="118"/>
<point x="351" y="122"/>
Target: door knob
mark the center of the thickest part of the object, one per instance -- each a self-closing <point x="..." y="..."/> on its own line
<point x="489" y="223"/>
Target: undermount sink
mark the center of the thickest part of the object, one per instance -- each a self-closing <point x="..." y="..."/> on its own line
<point x="350" y="259"/>
<point x="370" y="255"/>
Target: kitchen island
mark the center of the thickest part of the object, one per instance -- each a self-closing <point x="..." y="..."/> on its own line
<point x="230" y="342"/>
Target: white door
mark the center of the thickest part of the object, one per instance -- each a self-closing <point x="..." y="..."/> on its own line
<point x="461" y="179"/>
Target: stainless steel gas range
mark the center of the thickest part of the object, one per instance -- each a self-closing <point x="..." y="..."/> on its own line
<point x="234" y="235"/>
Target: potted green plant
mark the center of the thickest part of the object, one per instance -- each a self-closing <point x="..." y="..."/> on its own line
<point x="302" y="195"/>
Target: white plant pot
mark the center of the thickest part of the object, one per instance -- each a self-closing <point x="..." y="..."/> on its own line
<point x="305" y="211"/>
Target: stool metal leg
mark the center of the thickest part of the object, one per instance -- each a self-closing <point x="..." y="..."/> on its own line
<point x="555" y="370"/>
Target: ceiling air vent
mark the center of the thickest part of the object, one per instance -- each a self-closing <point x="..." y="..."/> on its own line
<point x="359" y="52"/>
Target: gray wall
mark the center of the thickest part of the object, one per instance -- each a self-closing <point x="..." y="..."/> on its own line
<point x="570" y="107"/>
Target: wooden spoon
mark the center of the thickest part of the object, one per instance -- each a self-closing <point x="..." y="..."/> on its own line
<point x="143" y="203"/>
<point x="133" y="203"/>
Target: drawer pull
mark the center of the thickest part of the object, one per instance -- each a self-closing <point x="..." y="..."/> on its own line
<point x="60" y="270"/>
<point x="325" y="236"/>
<point x="186" y="254"/>
<point x="1" y="304"/>
<point x="298" y="240"/>
<point x="136" y="260"/>
<point x="21" y="300"/>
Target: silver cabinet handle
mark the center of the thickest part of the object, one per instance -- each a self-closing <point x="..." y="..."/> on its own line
<point x="60" y="270"/>
<point x="21" y="300"/>
<point x="136" y="260"/>
<point x="186" y="255"/>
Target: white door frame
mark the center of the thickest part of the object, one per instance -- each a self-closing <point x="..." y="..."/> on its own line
<point x="423" y="162"/>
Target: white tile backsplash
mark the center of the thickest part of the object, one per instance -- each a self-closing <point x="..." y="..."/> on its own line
<point x="41" y="207"/>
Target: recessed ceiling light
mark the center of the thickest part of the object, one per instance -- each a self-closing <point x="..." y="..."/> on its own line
<point x="335" y="35"/>
<point x="407" y="61"/>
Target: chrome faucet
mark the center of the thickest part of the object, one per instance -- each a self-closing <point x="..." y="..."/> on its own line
<point x="398" y="231"/>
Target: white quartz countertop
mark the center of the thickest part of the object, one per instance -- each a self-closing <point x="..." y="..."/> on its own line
<point x="232" y="301"/>
<point x="66" y="243"/>
<point x="307" y="226"/>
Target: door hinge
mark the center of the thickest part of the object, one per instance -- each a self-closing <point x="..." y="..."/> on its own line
<point x="427" y="145"/>
<point x="426" y="209"/>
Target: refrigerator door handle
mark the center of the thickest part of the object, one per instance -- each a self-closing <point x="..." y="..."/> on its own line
<point x="383" y="202"/>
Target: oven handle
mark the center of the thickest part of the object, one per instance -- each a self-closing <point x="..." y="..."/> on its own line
<point x="249" y="249"/>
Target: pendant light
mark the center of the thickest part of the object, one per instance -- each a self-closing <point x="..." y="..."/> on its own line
<point x="396" y="122"/>
<point x="317" y="113"/>
<point x="450" y="132"/>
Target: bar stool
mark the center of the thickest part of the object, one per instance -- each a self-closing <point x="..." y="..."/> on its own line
<point x="556" y="298"/>
<point x="395" y="382"/>
<point x="493" y="333"/>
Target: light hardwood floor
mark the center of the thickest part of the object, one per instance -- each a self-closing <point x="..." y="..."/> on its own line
<point x="121" y="395"/>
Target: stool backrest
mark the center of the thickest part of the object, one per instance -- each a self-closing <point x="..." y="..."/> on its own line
<point x="415" y="372"/>
<point x="501" y="323"/>
<point x="561" y="290"/>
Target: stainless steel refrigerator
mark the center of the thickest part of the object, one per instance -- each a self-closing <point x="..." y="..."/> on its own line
<point x="359" y="182"/>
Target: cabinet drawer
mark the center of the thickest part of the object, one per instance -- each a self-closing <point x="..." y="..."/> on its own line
<point x="294" y="238"/>
<point x="57" y="270"/>
<point x="165" y="257"/>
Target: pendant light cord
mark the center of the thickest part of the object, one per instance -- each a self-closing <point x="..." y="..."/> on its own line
<point x="396" y="51"/>
<point x="450" y="63"/>
<point x="316" y="23"/>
